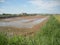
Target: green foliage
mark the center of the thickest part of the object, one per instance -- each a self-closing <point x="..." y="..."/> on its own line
<point x="3" y="39"/>
<point x="50" y="34"/>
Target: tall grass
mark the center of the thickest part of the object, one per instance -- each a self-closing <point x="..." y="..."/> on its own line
<point x="3" y="39"/>
<point x="49" y="35"/>
<point x="57" y="17"/>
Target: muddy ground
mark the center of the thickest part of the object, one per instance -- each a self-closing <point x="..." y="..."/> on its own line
<point x="22" y="31"/>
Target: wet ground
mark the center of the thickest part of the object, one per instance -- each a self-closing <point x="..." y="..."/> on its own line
<point x="23" y="23"/>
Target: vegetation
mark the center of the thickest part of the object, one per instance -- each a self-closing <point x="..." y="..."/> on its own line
<point x="7" y="15"/>
<point x="48" y="35"/>
<point x="15" y="15"/>
<point x="57" y="17"/>
<point x="20" y="15"/>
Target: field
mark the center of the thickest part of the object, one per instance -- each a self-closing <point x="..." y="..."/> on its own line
<point x="57" y="17"/>
<point x="22" y="25"/>
<point x="48" y="34"/>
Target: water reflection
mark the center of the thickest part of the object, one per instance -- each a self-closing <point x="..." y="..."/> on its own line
<point x="23" y="23"/>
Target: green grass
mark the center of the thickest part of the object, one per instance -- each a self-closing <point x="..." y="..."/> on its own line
<point x="49" y="34"/>
<point x="57" y="17"/>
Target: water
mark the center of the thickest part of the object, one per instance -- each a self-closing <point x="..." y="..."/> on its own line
<point x="23" y="23"/>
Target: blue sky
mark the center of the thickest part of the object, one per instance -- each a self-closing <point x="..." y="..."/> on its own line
<point x="30" y="6"/>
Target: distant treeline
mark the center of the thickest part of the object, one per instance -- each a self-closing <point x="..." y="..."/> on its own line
<point x="20" y="15"/>
<point x="14" y="15"/>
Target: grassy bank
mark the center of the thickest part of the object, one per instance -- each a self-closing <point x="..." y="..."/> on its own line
<point x="49" y="34"/>
<point x="57" y="17"/>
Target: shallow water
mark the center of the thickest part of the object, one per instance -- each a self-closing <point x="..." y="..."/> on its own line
<point x="23" y="23"/>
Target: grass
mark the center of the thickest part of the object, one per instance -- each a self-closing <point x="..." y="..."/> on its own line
<point x="49" y="35"/>
<point x="57" y="17"/>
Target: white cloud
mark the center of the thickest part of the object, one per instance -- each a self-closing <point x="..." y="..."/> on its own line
<point x="48" y="5"/>
<point x="1" y="10"/>
<point x="2" y="0"/>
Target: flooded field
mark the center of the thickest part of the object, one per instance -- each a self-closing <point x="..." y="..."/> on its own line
<point x="23" y="23"/>
<point x="26" y="22"/>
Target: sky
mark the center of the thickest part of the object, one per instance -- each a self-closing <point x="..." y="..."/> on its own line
<point x="30" y="6"/>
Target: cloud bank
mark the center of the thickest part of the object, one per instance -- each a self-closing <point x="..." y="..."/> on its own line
<point x="45" y="4"/>
<point x="30" y="6"/>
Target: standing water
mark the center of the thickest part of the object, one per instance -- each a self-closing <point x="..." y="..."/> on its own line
<point x="23" y="23"/>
